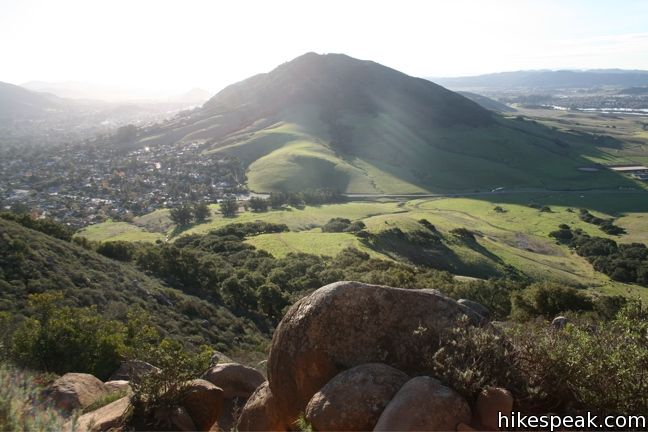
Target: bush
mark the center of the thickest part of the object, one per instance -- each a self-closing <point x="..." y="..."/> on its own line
<point x="258" y="204"/>
<point x="336" y="225"/>
<point x="166" y="389"/>
<point x="602" y="370"/>
<point x="65" y="339"/>
<point x="119" y="250"/>
<point x="471" y="358"/>
<point x="463" y="233"/>
<point x="548" y="299"/>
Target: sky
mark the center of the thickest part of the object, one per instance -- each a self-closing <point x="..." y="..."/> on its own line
<point x="173" y="46"/>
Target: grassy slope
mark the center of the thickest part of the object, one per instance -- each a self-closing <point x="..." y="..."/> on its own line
<point x="518" y="237"/>
<point x="113" y="231"/>
<point x="299" y="219"/>
<point x="88" y="278"/>
<point x="327" y="244"/>
<point x="389" y="154"/>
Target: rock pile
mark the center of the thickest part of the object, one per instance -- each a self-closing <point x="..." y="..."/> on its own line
<point x="351" y="357"/>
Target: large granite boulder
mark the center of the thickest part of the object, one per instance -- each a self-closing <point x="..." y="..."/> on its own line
<point x="103" y="419"/>
<point x="346" y="324"/>
<point x="76" y="391"/>
<point x="424" y="404"/>
<point x="203" y="402"/>
<point x="235" y="379"/>
<point x="354" y="399"/>
<point x="260" y="413"/>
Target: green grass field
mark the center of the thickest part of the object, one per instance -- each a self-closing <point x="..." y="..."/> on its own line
<point x="518" y="235"/>
<point x="113" y="231"/>
<point x="312" y="242"/>
<point x="299" y="219"/>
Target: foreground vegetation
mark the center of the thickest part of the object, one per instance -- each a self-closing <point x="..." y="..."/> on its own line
<point x="47" y="326"/>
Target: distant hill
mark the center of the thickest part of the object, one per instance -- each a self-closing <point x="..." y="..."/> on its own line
<point x="360" y="127"/>
<point x="547" y="79"/>
<point x="31" y="262"/>
<point x="634" y="91"/>
<point x="18" y="102"/>
<point x="92" y="92"/>
<point x="85" y="91"/>
<point x="486" y="102"/>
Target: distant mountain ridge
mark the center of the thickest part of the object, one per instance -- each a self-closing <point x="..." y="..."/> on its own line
<point x="18" y="102"/>
<point x="357" y="126"/>
<point x="549" y="79"/>
<point x="85" y="91"/>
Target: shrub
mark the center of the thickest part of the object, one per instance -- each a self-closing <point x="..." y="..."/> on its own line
<point x="602" y="370"/>
<point x="119" y="250"/>
<point x="258" y="204"/>
<point x="463" y="233"/>
<point x="336" y="225"/>
<point x="64" y="339"/>
<point x="548" y="299"/>
<point x="166" y="389"/>
<point x="471" y="358"/>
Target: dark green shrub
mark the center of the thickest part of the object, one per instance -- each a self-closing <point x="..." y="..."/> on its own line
<point x="548" y="299"/>
<point x="119" y="250"/>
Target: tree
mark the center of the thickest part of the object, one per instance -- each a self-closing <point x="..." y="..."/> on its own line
<point x="229" y="206"/>
<point x="126" y="134"/>
<point x="258" y="204"/>
<point x="277" y="200"/>
<point x="201" y="212"/>
<point x="182" y="215"/>
<point x="271" y="301"/>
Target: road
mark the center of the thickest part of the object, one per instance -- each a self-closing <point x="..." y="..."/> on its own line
<point x="492" y="193"/>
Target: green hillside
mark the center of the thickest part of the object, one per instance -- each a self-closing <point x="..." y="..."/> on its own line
<point x="360" y="127"/>
<point x="33" y="262"/>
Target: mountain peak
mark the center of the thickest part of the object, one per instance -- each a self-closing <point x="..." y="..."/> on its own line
<point x="337" y="82"/>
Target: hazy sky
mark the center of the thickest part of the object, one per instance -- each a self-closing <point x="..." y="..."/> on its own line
<point x="177" y="45"/>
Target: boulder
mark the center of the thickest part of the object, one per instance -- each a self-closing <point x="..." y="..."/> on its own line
<point x="182" y="421"/>
<point x="76" y="391"/>
<point x="559" y="322"/>
<point x="203" y="402"/>
<point x="346" y="324"/>
<point x="117" y="386"/>
<point x="424" y="404"/>
<point x="132" y="369"/>
<point x="492" y="401"/>
<point x="477" y="307"/>
<point x="103" y="419"/>
<point x="173" y="418"/>
<point x="354" y="399"/>
<point x="235" y="379"/>
<point x="261" y="413"/>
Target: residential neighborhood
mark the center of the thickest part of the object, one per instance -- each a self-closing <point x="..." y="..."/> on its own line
<point x="87" y="183"/>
